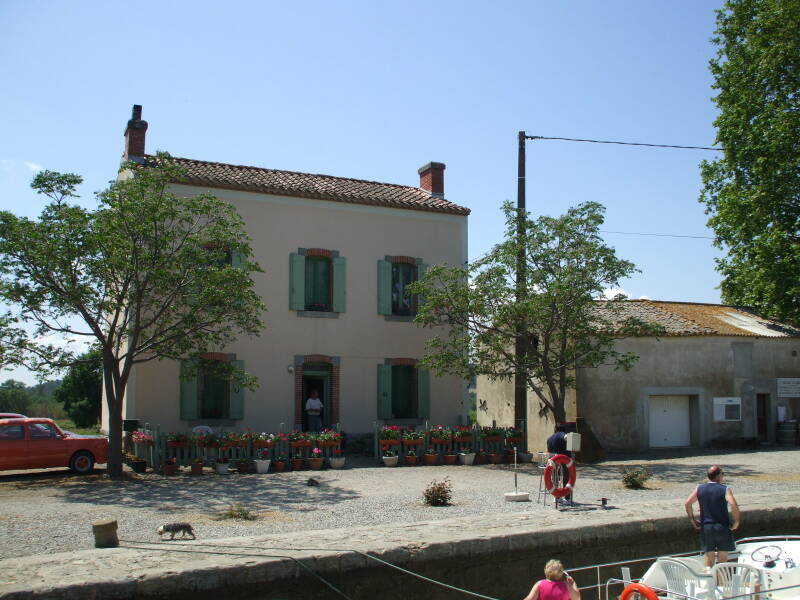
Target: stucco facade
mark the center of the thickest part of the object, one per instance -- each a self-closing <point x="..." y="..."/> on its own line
<point x="348" y="345"/>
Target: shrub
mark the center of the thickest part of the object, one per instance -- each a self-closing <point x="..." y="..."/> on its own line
<point x="238" y="512"/>
<point x="438" y="493"/>
<point x="634" y="478"/>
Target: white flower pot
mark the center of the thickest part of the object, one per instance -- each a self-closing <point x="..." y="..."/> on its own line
<point x="337" y="462"/>
<point x="222" y="468"/>
<point x="390" y="461"/>
<point x="262" y="466"/>
<point x="466" y="458"/>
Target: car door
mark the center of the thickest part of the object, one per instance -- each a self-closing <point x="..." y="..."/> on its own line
<point x="46" y="447"/>
<point x="13" y="447"/>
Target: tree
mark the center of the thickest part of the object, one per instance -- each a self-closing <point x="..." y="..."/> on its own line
<point x="753" y="191"/>
<point x="80" y="390"/>
<point x="482" y="309"/>
<point x="148" y="275"/>
<point x="14" y="397"/>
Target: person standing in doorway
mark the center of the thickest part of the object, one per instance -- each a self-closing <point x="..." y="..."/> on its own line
<point x="314" y="411"/>
<point x="715" y="527"/>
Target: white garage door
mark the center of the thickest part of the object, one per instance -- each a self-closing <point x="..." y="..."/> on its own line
<point x="669" y="421"/>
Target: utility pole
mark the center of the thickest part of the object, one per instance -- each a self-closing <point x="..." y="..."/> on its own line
<point x="520" y="379"/>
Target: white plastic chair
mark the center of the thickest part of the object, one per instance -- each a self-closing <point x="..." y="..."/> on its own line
<point x="684" y="582"/>
<point x="734" y="579"/>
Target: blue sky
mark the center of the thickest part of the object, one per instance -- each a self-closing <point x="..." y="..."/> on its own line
<point x="374" y="90"/>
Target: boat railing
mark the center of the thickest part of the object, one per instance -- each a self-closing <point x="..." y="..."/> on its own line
<point x="755" y="595"/>
<point x="769" y="538"/>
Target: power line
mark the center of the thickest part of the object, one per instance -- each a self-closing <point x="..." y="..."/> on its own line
<point x="672" y="235"/>
<point x="565" y="139"/>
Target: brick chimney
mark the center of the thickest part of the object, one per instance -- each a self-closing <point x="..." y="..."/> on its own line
<point x="134" y="136"/>
<point x="431" y="178"/>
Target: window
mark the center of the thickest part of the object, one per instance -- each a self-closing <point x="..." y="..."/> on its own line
<point x="395" y="273"/>
<point x="318" y="284"/>
<point x="403" y="390"/>
<point x="11" y="432"/>
<point x="317" y="281"/>
<point x="42" y="431"/>
<point x="207" y="396"/>
<point x="727" y="409"/>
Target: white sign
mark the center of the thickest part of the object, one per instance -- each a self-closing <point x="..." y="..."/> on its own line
<point x="789" y="387"/>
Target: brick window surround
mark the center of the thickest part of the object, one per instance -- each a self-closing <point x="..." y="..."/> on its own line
<point x="299" y="362"/>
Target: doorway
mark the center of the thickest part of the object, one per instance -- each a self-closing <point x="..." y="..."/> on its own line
<point x="762" y="412"/>
<point x="317" y="377"/>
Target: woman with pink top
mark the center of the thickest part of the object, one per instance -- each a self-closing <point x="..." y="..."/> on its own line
<point x="558" y="585"/>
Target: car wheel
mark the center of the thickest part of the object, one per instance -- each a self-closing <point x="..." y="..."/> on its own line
<point x="81" y="462"/>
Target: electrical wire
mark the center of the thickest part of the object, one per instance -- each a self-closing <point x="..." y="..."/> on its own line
<point x="565" y="139"/>
<point x="672" y="235"/>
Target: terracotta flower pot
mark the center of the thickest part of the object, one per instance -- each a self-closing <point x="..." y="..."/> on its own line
<point x="263" y="444"/>
<point x="494" y="458"/>
<point x="169" y="469"/>
<point x="177" y="444"/>
<point x="450" y="459"/>
<point x="301" y="444"/>
<point x="437" y="440"/>
<point x="514" y="441"/>
<point x="410" y="461"/>
<point x="493" y="438"/>
<point x="279" y="465"/>
<point x="430" y="459"/>
<point x="297" y="464"/>
<point x="328" y="443"/>
<point x="316" y="463"/>
<point x="412" y="442"/>
<point x="463" y="439"/>
<point x="197" y="468"/>
<point x="385" y="443"/>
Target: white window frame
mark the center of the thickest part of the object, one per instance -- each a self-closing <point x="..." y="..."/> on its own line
<point x="721" y="409"/>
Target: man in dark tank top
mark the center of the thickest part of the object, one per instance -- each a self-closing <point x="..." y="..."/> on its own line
<point x="715" y="527"/>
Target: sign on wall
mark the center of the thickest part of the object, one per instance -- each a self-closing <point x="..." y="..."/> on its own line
<point x="788" y="387"/>
<point x="727" y="409"/>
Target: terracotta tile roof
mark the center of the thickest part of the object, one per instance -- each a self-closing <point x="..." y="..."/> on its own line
<point x="694" y="319"/>
<point x="307" y="185"/>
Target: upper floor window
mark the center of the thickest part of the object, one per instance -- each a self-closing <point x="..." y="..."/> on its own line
<point x="317" y="280"/>
<point x="395" y="273"/>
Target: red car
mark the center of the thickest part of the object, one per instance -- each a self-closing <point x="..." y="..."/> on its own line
<point x="33" y="443"/>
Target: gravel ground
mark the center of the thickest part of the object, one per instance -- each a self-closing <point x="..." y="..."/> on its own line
<point x="52" y="511"/>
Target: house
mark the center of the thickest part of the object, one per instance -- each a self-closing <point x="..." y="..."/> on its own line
<point x="719" y="375"/>
<point x="337" y="254"/>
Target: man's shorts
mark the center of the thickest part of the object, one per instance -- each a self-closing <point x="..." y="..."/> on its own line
<point x="714" y="536"/>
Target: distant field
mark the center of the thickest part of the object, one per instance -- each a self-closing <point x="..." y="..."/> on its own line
<point x="69" y="425"/>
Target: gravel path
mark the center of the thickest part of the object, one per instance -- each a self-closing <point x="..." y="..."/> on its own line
<point x="52" y="511"/>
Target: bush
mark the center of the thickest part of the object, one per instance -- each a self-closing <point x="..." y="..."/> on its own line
<point x="438" y="493"/>
<point x="635" y="478"/>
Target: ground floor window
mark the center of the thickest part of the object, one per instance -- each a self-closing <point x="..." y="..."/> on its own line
<point x="214" y="397"/>
<point x="404" y="392"/>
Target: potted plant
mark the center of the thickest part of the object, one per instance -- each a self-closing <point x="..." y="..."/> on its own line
<point x="494" y="458"/>
<point x="263" y="440"/>
<point x="300" y="439"/>
<point x="297" y="461"/>
<point x="245" y="465"/>
<point x="410" y="458"/>
<point x="337" y="460"/>
<point x="440" y="435"/>
<point x="390" y="458"/>
<point x="514" y="436"/>
<point x="316" y="460"/>
<point x="390" y="435"/>
<point x="492" y="434"/>
<point x="178" y="440"/>
<point x="169" y="466"/>
<point x="221" y="466"/>
<point x="466" y="458"/>
<point x="279" y="464"/>
<point x="412" y="437"/>
<point x="430" y="457"/>
<point x="197" y="466"/>
<point x="329" y="438"/>
<point x="450" y="457"/>
<point x="139" y="465"/>
<point x="480" y="458"/>
<point x="262" y="462"/>
<point x="206" y="440"/>
<point x="143" y="439"/>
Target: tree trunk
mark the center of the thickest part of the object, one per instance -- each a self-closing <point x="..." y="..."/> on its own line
<point x="114" y="395"/>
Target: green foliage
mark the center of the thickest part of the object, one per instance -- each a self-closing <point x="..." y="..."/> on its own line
<point x="149" y="274"/>
<point x="14" y="397"/>
<point x="79" y="392"/>
<point x="753" y="192"/>
<point x="238" y="512"/>
<point x="635" y="478"/>
<point x="480" y="310"/>
<point x="438" y="493"/>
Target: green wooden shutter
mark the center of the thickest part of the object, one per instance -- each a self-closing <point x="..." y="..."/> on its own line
<point x="236" y="410"/>
<point x="421" y="270"/>
<point x="384" y="287"/>
<point x="339" y="284"/>
<point x="189" y="398"/>
<point x="297" y="281"/>
<point x="423" y="394"/>
<point x="384" y="391"/>
<point x="237" y="259"/>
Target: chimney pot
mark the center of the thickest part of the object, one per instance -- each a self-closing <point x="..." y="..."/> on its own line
<point x="135" y="134"/>
<point x="431" y="178"/>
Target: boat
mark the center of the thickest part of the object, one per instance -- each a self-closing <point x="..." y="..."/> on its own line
<point x="761" y="568"/>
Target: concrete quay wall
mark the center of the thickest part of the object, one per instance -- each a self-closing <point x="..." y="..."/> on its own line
<point x="499" y="556"/>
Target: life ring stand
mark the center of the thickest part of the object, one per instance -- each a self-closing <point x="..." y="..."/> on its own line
<point x="560" y="459"/>
<point x="638" y="588"/>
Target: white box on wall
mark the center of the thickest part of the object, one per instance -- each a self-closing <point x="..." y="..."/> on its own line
<point x="727" y="409"/>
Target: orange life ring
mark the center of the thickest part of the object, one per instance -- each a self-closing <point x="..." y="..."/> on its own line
<point x="560" y="459"/>
<point x="639" y="588"/>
